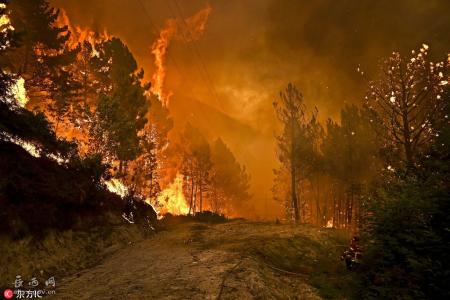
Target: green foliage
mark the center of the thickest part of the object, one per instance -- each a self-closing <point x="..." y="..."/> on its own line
<point x="350" y="148"/>
<point x="291" y="112"/>
<point x="36" y="20"/>
<point x="408" y="240"/>
<point x="39" y="194"/>
<point x="314" y="258"/>
<point x="90" y="167"/>
<point x="294" y="140"/>
<point x="121" y="106"/>
<point x="407" y="229"/>
<point x="41" y="58"/>
<point x="34" y="128"/>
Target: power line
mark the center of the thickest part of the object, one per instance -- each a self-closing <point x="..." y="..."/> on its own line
<point x="205" y="75"/>
<point x="156" y="33"/>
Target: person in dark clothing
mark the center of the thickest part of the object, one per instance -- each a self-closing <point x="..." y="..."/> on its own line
<point x="352" y="255"/>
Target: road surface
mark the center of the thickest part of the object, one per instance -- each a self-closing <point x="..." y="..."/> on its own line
<point x="192" y="261"/>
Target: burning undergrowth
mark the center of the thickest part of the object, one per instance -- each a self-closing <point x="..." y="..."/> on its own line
<point x="170" y="198"/>
<point x="107" y="125"/>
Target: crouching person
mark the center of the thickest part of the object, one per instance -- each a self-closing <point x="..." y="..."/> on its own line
<point x="352" y="256"/>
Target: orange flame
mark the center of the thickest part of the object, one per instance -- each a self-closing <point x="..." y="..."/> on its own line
<point x="196" y="24"/>
<point x="5" y="23"/>
<point x="19" y="92"/>
<point x="172" y="198"/>
<point x="159" y="49"/>
<point x="79" y="34"/>
<point x="329" y="224"/>
<point x="117" y="187"/>
<point x="190" y="29"/>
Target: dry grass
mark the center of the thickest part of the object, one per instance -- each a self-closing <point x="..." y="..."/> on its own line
<point x="61" y="253"/>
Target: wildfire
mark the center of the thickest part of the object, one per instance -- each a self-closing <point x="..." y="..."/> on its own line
<point x="117" y="187"/>
<point x="19" y="92"/>
<point x="4" y="21"/>
<point x="79" y="34"/>
<point x="31" y="148"/>
<point x="190" y="29"/>
<point x="159" y="49"/>
<point x="329" y="224"/>
<point x="172" y="198"/>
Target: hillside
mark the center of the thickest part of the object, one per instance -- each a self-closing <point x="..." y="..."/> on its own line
<point x="38" y="193"/>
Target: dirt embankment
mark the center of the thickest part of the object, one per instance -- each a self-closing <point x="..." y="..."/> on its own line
<point x="60" y="253"/>
<point x="233" y="260"/>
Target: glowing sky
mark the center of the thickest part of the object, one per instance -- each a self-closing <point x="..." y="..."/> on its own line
<point x="251" y="49"/>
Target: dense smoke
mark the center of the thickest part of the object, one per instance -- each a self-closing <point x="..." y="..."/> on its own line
<point x="225" y="82"/>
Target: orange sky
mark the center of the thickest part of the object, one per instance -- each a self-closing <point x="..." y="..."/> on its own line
<point x="226" y="80"/>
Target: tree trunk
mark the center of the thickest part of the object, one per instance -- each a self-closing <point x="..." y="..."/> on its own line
<point x="195" y="199"/>
<point x="350" y="208"/>
<point x="192" y="195"/>
<point x="334" y="207"/>
<point x="406" y="128"/>
<point x="24" y="67"/>
<point x="201" y="195"/>
<point x="120" y="167"/>
<point x="293" y="179"/>
<point x="339" y="215"/>
<point x="294" y="197"/>
<point x="318" y="218"/>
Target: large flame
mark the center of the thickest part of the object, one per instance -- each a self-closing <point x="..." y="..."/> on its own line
<point x="172" y="198"/>
<point x="19" y="92"/>
<point x="79" y="34"/>
<point x="116" y="186"/>
<point x="190" y="29"/>
<point x="31" y="148"/>
<point x="5" y="22"/>
<point x="159" y="49"/>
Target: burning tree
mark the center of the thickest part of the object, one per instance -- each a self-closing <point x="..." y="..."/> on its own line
<point x="405" y="100"/>
<point x="42" y="57"/>
<point x="196" y="164"/>
<point x="7" y="41"/>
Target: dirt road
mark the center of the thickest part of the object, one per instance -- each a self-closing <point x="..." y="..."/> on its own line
<point x="192" y="261"/>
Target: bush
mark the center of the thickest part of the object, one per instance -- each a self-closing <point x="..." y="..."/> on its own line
<point x="407" y="240"/>
<point x="38" y="194"/>
<point x="209" y="217"/>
